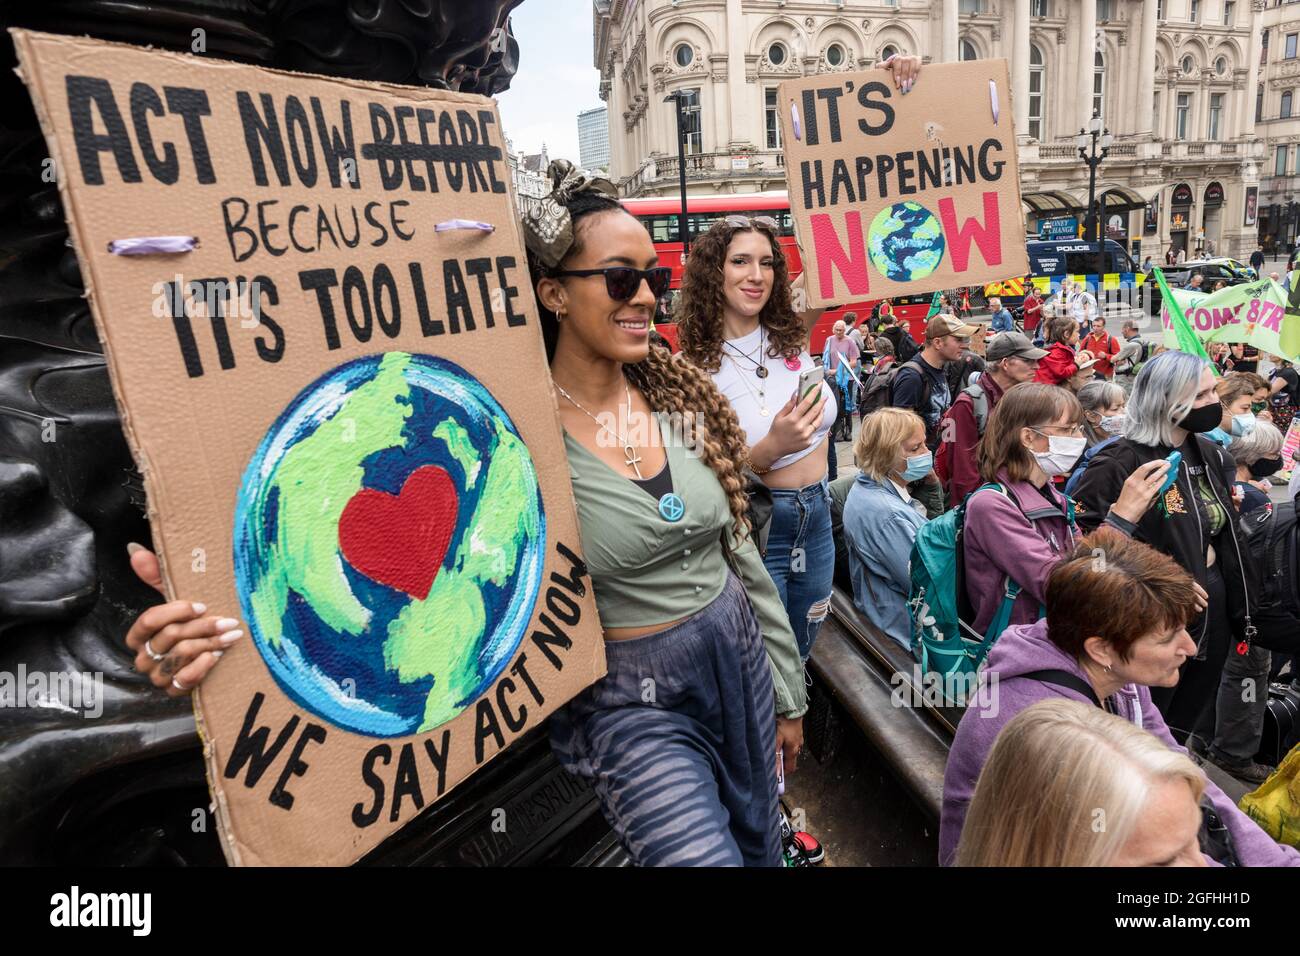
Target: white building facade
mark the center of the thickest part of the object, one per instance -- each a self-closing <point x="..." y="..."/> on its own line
<point x="593" y="138"/>
<point x="1277" y="123"/>
<point x="1174" y="81"/>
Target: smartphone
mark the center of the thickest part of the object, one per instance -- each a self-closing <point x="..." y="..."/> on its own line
<point x="809" y="379"/>
<point x="1175" y="460"/>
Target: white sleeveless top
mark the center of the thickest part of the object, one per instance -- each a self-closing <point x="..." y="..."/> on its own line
<point x="740" y="385"/>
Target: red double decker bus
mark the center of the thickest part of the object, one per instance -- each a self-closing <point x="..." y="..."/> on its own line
<point x="660" y="216"/>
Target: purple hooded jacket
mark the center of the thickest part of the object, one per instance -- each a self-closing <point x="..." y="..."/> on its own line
<point x="1024" y="538"/>
<point x="1023" y="649"/>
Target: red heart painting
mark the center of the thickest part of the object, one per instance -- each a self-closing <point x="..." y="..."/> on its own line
<point x="400" y="540"/>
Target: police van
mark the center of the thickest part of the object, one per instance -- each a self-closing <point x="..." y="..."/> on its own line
<point x="1059" y="258"/>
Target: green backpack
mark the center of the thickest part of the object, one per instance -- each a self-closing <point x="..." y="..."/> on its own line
<point x="942" y="641"/>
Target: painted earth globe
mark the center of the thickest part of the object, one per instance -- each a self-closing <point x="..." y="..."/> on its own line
<point x="389" y="544"/>
<point x="905" y="242"/>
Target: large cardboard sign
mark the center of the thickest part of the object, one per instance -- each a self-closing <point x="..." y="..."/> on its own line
<point x="898" y="194"/>
<point x="340" y="404"/>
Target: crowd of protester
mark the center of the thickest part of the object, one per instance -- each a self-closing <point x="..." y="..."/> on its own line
<point x="1117" y="602"/>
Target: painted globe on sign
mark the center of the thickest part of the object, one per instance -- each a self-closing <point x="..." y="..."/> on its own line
<point x="905" y="242"/>
<point x="389" y="541"/>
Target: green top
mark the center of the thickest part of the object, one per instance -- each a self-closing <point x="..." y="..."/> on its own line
<point x="647" y="570"/>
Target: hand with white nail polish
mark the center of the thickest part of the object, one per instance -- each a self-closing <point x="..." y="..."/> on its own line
<point x="905" y="70"/>
<point x="176" y="644"/>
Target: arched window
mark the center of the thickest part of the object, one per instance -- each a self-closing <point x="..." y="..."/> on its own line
<point x="887" y="51"/>
<point x="1098" y="84"/>
<point x="1221" y="66"/>
<point x="835" y="55"/>
<point x="1036" y="77"/>
<point x="968" y="51"/>
<point x="1286" y="105"/>
<point x="1187" y="65"/>
<point x="776" y="53"/>
<point x="683" y="55"/>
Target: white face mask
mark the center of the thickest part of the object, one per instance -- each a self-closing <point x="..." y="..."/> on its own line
<point x="1061" y="455"/>
<point x="1114" y="424"/>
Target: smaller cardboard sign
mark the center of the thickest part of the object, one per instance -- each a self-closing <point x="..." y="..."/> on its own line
<point x="898" y="195"/>
<point x="1291" y="446"/>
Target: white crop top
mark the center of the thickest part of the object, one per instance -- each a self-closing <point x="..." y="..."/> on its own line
<point x="738" y="382"/>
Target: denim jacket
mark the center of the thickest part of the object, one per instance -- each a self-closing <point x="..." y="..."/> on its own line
<point x="879" y="527"/>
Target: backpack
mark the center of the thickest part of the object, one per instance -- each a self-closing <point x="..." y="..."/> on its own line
<point x="1271" y="539"/>
<point x="942" y="641"/>
<point x="979" y="400"/>
<point x="1077" y="475"/>
<point x="922" y="407"/>
<point x="878" y="392"/>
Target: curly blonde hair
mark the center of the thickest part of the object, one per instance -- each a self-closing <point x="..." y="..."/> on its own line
<point x="668" y="382"/>
<point x="699" y="308"/>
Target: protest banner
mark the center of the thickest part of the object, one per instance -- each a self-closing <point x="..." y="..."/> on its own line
<point x="1254" y="313"/>
<point x="1291" y="446"/>
<point x="899" y="195"/>
<point x="304" y="288"/>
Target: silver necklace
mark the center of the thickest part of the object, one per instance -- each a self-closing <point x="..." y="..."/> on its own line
<point x="633" y="459"/>
<point x="760" y="364"/>
<point x="761" y="397"/>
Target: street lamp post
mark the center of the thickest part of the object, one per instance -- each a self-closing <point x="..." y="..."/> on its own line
<point x="677" y="98"/>
<point x="1089" y="141"/>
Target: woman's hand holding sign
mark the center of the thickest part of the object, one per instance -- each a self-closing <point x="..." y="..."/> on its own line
<point x="175" y="644"/>
<point x="905" y="70"/>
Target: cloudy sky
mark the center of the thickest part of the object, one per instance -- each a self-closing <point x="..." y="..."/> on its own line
<point x="555" y="80"/>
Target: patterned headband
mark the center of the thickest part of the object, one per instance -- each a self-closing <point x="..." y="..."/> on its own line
<point x="548" y="226"/>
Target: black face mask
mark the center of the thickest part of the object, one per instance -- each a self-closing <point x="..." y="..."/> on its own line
<point x="1265" y="467"/>
<point x="1203" y="419"/>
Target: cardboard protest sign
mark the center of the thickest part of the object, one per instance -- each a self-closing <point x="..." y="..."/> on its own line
<point x="1291" y="446"/>
<point x="331" y="374"/>
<point x="1255" y="313"/>
<point x="899" y="195"/>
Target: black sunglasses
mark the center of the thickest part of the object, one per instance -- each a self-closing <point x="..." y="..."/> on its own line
<point x="622" y="282"/>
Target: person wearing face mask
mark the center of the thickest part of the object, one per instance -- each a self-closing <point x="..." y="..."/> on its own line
<point x="1236" y="390"/>
<point x="1258" y="456"/>
<point x="1018" y="525"/>
<point x="1086" y="651"/>
<point x="1173" y="404"/>
<point x="1103" y="406"/>
<point x="881" y="518"/>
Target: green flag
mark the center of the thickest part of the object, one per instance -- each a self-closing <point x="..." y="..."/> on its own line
<point x="1185" y="336"/>
<point x="934" y="306"/>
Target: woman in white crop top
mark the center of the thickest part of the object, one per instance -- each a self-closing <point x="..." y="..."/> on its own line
<point x="755" y="347"/>
<point x="737" y="321"/>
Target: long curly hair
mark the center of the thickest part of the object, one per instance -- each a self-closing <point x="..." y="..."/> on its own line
<point x="699" y="308"/>
<point x="669" y="383"/>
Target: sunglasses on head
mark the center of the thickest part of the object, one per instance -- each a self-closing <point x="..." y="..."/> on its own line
<point x="766" y="223"/>
<point x="622" y="282"/>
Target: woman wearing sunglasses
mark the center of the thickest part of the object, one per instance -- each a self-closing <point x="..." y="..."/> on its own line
<point x="704" y="684"/>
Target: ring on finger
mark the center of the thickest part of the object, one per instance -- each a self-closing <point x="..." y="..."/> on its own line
<point x="153" y="655"/>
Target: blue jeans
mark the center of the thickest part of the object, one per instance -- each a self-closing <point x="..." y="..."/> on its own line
<point x="801" y="557"/>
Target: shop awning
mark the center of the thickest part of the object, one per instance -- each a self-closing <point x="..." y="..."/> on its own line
<point x="1126" y="198"/>
<point x="1050" y="202"/>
